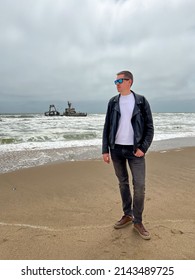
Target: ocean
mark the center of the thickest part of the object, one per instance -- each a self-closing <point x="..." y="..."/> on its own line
<point x="28" y="140"/>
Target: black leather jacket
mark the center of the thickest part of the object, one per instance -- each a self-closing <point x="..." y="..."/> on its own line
<point x="142" y="123"/>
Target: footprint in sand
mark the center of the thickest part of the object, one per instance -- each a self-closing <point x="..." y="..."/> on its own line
<point x="176" y="231"/>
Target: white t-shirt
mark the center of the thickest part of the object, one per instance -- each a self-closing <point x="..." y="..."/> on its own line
<point x="125" y="133"/>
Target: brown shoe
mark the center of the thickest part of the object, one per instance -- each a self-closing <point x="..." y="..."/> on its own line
<point x="124" y="221"/>
<point x="142" y="231"/>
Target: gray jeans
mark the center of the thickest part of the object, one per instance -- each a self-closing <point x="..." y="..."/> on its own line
<point x="120" y="155"/>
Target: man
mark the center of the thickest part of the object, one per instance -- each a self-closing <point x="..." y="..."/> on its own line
<point x="127" y="135"/>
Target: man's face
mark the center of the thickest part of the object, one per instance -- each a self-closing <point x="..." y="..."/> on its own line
<point x="125" y="85"/>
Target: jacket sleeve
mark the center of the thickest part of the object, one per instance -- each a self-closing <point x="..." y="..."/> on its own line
<point x="148" y="128"/>
<point x="106" y="129"/>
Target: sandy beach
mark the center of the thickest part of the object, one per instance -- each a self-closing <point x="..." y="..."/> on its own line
<point x="67" y="211"/>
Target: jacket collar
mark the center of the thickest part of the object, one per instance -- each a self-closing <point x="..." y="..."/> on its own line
<point x="138" y="101"/>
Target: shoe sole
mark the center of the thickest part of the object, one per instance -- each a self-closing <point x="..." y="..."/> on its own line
<point x="122" y="226"/>
<point x="146" y="237"/>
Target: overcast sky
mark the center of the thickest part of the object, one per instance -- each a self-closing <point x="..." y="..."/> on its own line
<point x="52" y="51"/>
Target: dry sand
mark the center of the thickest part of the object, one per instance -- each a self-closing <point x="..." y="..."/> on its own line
<point x="67" y="211"/>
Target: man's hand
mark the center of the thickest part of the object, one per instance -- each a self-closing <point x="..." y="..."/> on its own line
<point x="139" y="153"/>
<point x="106" y="158"/>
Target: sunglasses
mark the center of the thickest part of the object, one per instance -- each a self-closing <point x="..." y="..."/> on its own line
<point x="120" y="81"/>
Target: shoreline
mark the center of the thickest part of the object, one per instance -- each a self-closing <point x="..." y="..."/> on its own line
<point x="16" y="160"/>
<point x="67" y="210"/>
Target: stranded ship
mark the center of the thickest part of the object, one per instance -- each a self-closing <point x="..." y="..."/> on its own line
<point x="69" y="112"/>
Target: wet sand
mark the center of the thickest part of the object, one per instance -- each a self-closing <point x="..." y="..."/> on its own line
<point x="67" y="211"/>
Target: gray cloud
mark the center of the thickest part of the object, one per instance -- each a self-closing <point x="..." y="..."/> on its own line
<point x="60" y="50"/>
